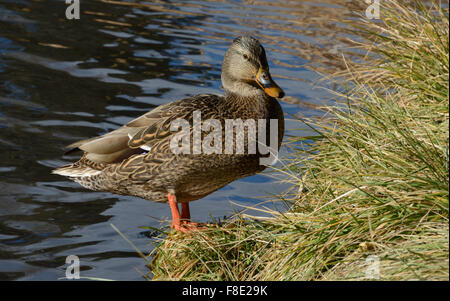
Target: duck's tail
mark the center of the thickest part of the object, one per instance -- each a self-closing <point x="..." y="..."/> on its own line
<point x="76" y="171"/>
<point x="87" y="176"/>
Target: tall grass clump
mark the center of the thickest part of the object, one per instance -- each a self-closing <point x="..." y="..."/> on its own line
<point x="371" y="191"/>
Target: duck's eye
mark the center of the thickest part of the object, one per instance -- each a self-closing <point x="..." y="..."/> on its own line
<point x="245" y="56"/>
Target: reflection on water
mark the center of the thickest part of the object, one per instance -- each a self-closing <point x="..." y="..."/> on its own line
<point x="63" y="80"/>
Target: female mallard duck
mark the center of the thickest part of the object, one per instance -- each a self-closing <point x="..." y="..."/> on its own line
<point x="139" y="159"/>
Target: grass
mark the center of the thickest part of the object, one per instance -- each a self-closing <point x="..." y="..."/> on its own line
<point x="370" y="197"/>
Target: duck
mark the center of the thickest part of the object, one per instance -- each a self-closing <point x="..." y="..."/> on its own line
<point x="143" y="158"/>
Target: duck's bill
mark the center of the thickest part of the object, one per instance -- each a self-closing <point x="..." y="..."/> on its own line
<point x="266" y="82"/>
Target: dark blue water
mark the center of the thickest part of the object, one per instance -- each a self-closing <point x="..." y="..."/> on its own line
<point x="64" y="80"/>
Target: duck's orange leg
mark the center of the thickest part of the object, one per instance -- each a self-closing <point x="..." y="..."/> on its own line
<point x="176" y="220"/>
<point x="186" y="215"/>
<point x="185" y="212"/>
<point x="181" y="223"/>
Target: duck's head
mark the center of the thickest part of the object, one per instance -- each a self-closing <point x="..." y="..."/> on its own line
<point x="245" y="70"/>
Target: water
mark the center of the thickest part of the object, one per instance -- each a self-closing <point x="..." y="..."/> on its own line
<point x="64" y="80"/>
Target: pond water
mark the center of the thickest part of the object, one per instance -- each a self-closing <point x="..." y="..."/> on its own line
<point x="64" y="80"/>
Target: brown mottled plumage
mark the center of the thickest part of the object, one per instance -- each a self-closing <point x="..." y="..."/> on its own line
<point x="137" y="160"/>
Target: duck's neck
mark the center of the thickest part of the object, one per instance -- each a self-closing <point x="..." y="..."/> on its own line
<point x="249" y="103"/>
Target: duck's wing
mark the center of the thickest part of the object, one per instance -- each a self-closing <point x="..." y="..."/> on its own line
<point x="141" y="133"/>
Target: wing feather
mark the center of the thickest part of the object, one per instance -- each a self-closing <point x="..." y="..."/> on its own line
<point x="141" y="133"/>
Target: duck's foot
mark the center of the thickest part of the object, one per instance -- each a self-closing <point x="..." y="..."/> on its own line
<point x="188" y="226"/>
<point x="180" y="228"/>
<point x="182" y="222"/>
<point x="189" y="223"/>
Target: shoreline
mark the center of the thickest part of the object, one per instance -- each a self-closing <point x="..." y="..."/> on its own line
<point x="371" y="199"/>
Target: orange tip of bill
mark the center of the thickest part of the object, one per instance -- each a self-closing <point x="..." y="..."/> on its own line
<point x="274" y="92"/>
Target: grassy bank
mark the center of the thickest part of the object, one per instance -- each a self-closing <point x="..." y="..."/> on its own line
<point x="370" y="190"/>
